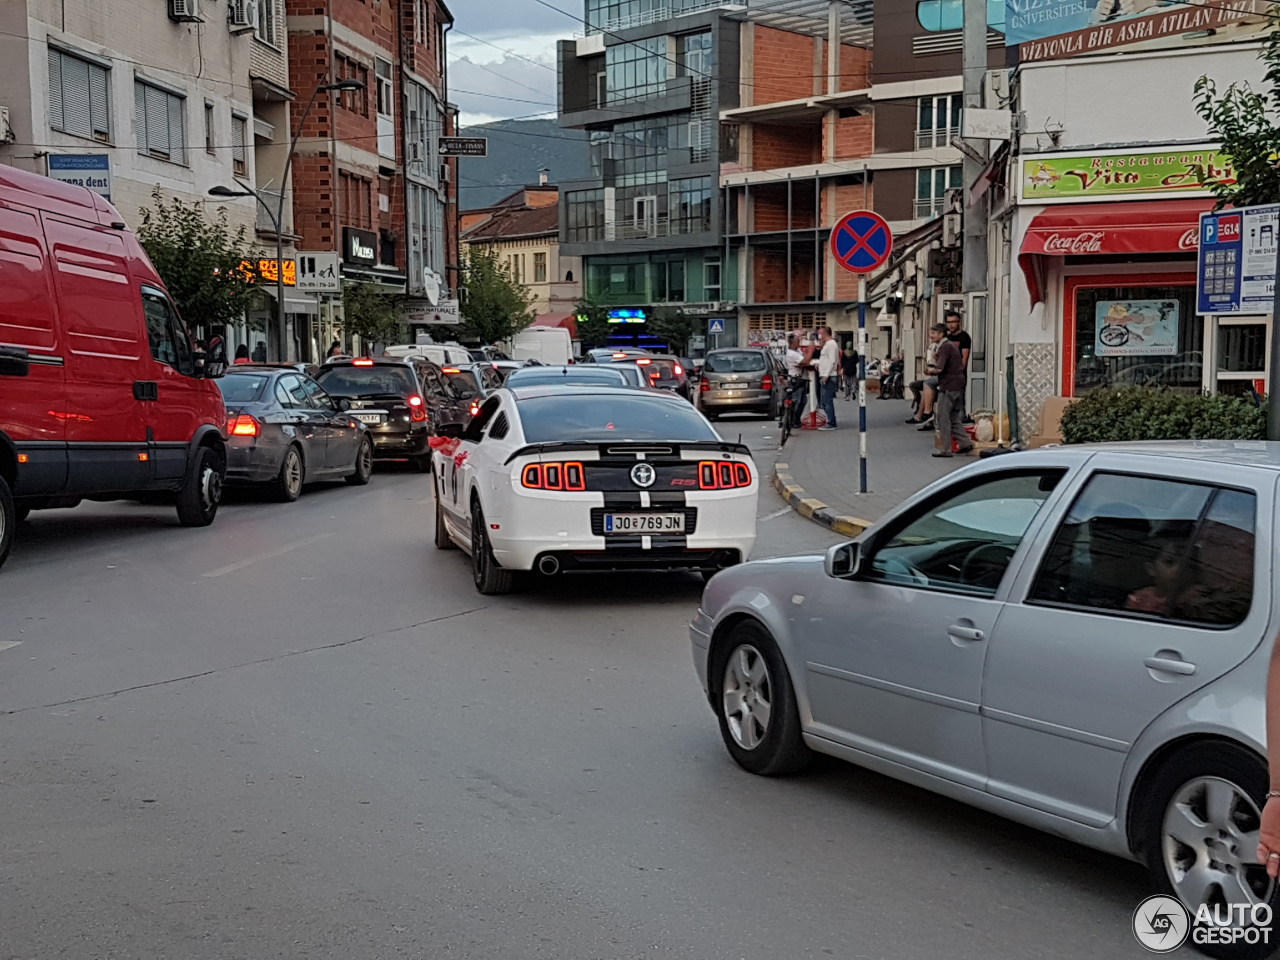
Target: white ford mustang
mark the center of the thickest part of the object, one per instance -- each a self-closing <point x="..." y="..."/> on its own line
<point x="591" y="478"/>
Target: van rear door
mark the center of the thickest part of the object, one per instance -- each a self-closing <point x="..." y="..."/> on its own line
<point x="108" y="366"/>
<point x="32" y="407"/>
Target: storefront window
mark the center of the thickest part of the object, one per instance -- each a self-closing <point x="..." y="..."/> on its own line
<point x="1242" y="348"/>
<point x="1135" y="336"/>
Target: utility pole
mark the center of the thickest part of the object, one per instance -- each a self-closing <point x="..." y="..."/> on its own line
<point x="974" y="279"/>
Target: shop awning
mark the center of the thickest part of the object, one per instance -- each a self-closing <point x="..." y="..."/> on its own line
<point x="1095" y="229"/>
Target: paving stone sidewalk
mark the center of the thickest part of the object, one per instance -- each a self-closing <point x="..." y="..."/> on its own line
<point x="824" y="465"/>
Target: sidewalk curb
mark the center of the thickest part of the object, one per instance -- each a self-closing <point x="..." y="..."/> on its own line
<point x="812" y="509"/>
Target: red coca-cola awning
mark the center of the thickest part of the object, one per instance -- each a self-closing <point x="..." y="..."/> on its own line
<point x="1090" y="229"/>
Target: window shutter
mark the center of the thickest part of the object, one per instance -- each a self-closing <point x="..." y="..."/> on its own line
<point x="56" y="119"/>
<point x="177" y="144"/>
<point x="237" y="139"/>
<point x="140" y="116"/>
<point x="75" y="97"/>
<point x="98" y="103"/>
<point x="157" y="121"/>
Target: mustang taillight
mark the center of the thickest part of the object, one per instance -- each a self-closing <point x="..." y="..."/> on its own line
<point x="244" y="426"/>
<point x="723" y="475"/>
<point x="417" y="409"/>
<point x="767" y="382"/>
<point x="554" y="476"/>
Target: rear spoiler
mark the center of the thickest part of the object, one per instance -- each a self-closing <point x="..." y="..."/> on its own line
<point x="722" y="446"/>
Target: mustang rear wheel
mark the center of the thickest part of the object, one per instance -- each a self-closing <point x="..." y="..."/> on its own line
<point x="488" y="576"/>
<point x="756" y="704"/>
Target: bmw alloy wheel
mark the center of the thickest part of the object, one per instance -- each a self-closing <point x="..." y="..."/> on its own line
<point x="748" y="696"/>
<point x="1209" y="842"/>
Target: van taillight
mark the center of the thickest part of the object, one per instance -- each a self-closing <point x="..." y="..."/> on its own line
<point x="244" y="426"/>
<point x="554" y="476"/>
<point x="767" y="382"/>
<point x="417" y="410"/>
<point x="723" y="475"/>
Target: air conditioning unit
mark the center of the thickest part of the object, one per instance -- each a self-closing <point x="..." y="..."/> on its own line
<point x="241" y="13"/>
<point x="185" y="11"/>
<point x="445" y="176"/>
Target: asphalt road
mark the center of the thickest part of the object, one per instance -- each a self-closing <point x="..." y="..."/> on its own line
<point x="301" y="733"/>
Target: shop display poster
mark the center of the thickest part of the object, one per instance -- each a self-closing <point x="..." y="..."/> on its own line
<point x="1131" y="328"/>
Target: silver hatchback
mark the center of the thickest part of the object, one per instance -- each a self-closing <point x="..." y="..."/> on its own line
<point x="741" y="380"/>
<point x="1076" y="638"/>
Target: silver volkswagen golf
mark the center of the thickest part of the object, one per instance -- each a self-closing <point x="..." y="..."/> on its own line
<point x="1076" y="638"/>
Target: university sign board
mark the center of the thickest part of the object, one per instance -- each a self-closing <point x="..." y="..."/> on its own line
<point x="1060" y="29"/>
<point x="89" y="170"/>
<point x="1236" y="265"/>
<point x="1121" y="174"/>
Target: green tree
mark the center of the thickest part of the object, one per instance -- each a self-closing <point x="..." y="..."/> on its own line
<point x="372" y="316"/>
<point x="675" y="328"/>
<point x="495" y="307"/>
<point x="593" y="323"/>
<point x="199" y="260"/>
<point x="1245" y="120"/>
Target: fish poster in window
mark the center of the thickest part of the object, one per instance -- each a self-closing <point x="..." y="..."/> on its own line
<point x="1128" y="328"/>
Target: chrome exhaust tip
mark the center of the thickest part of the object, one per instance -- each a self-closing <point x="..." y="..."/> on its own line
<point x="549" y="566"/>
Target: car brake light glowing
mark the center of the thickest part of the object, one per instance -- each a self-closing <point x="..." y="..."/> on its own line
<point x="417" y="411"/>
<point x="767" y="382"/>
<point x="723" y="475"/>
<point x="475" y="408"/>
<point x="554" y="476"/>
<point x="243" y="426"/>
<point x="363" y="363"/>
<point x="619" y="356"/>
<point x="704" y="386"/>
<point x="450" y="370"/>
<point x="679" y="370"/>
<point x="642" y="361"/>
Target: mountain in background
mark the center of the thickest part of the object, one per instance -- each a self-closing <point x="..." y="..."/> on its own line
<point x="518" y="149"/>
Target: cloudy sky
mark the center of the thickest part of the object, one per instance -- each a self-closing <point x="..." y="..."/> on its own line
<point x="488" y="78"/>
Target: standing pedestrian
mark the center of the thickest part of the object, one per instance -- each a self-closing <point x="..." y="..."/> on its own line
<point x="798" y="386"/>
<point x="260" y="352"/>
<point x="849" y="370"/>
<point x="828" y="374"/>
<point x="335" y="349"/>
<point x="242" y="354"/>
<point x="957" y="335"/>
<point x="950" y="403"/>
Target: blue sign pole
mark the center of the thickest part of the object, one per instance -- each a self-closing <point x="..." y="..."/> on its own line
<point x="862" y="385"/>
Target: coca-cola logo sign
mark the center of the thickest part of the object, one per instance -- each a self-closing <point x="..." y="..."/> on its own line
<point x="1073" y="244"/>
<point x="1190" y="239"/>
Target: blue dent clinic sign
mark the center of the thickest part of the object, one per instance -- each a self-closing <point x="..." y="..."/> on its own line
<point x="91" y="170"/>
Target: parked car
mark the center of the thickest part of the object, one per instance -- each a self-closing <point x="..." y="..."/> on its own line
<point x="741" y="380"/>
<point x="592" y="478"/>
<point x="284" y="430"/>
<point x="102" y="394"/>
<point x="402" y="402"/>
<point x="1076" y="638"/>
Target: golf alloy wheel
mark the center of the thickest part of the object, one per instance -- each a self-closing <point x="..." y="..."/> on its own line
<point x="747" y="693"/>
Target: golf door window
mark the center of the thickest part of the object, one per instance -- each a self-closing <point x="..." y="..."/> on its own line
<point x="1145" y="547"/>
<point x="964" y="542"/>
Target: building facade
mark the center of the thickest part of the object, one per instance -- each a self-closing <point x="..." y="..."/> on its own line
<point x="523" y="231"/>
<point x="138" y="95"/>
<point x="647" y="83"/>
<point x="369" y="180"/>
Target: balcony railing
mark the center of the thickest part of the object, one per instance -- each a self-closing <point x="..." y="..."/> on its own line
<point x="652" y="15"/>
<point x="937" y="137"/>
<point x="641" y="228"/>
<point x="926" y="209"/>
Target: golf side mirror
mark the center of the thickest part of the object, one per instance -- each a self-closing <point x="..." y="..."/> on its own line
<point x="843" y="561"/>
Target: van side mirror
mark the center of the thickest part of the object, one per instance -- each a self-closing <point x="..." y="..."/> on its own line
<point x="843" y="561"/>
<point x="214" y="359"/>
<point x="13" y="362"/>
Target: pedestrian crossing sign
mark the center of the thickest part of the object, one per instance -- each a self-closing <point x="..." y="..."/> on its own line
<point x="715" y="326"/>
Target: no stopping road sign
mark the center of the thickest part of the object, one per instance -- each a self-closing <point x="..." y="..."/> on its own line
<point x="861" y="241"/>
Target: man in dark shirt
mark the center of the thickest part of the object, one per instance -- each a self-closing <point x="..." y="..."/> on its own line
<point x="951" y="383"/>
<point x="958" y="336"/>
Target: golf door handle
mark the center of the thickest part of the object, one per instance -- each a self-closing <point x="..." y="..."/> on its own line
<point x="1170" y="666"/>
<point x="965" y="631"/>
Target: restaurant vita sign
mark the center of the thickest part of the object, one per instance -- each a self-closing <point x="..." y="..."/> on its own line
<point x="1120" y="175"/>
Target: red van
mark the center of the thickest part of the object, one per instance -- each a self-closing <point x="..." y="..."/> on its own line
<point x="102" y="396"/>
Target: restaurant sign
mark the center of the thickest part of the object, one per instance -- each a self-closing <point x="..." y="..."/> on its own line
<point x="1120" y="175"/>
<point x="1058" y="29"/>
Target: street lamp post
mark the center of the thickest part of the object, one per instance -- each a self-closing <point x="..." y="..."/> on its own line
<point x="277" y="218"/>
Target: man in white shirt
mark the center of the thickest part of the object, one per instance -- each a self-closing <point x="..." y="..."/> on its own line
<point x="796" y="368"/>
<point x="828" y="375"/>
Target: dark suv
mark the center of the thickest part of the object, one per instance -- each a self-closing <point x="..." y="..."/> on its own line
<point x="403" y="403"/>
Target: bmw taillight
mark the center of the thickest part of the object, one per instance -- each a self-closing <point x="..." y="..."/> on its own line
<point x="723" y="475"/>
<point x="244" y="426"/>
<point x="417" y="409"/>
<point x="554" y="476"/>
<point x="767" y="382"/>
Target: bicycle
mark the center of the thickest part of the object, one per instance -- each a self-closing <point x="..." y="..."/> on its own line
<point x="788" y="404"/>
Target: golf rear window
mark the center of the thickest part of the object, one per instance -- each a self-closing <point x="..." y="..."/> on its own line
<point x="464" y="382"/>
<point x="743" y="361"/>
<point x="368" y="381"/>
<point x="238" y="388"/>
<point x="622" y="416"/>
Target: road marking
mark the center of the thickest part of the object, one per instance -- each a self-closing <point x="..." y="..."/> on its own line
<point x="270" y="554"/>
<point x="8" y="644"/>
<point x="777" y="513"/>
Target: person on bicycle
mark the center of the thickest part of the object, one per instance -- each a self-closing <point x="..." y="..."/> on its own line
<point x="797" y="382"/>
